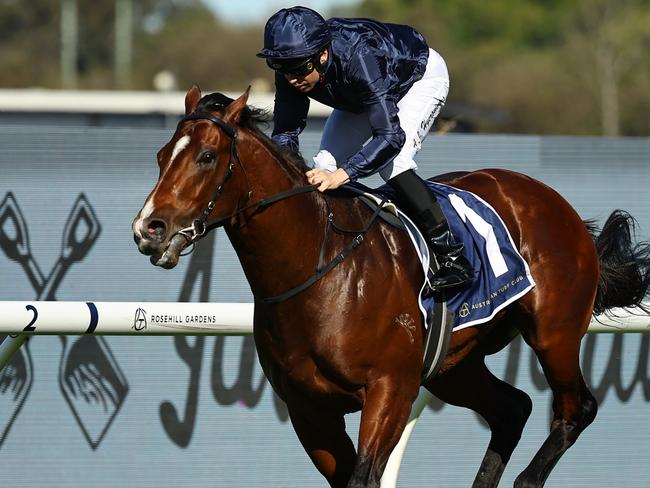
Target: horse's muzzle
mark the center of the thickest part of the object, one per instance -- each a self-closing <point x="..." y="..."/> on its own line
<point x="149" y="235"/>
<point x="151" y="239"/>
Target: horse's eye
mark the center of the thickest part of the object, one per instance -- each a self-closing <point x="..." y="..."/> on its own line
<point x="207" y="157"/>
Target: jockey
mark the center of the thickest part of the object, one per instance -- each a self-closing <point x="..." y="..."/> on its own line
<point x="386" y="87"/>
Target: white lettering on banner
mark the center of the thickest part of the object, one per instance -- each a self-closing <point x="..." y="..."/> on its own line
<point x="497" y="262"/>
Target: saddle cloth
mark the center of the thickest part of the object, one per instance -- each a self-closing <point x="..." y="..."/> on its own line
<point x="502" y="275"/>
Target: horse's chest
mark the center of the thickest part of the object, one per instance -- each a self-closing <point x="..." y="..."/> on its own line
<point x="297" y="363"/>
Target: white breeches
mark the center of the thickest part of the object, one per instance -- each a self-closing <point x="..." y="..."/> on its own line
<point x="345" y="132"/>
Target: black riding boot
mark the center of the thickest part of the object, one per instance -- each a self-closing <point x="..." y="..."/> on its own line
<point x="421" y="203"/>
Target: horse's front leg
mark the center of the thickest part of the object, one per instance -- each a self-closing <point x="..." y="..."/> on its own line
<point x="383" y="418"/>
<point x="322" y="434"/>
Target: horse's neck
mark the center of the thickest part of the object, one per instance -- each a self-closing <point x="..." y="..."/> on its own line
<point x="278" y="245"/>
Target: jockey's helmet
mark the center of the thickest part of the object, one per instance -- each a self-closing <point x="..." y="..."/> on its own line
<point x="294" y="33"/>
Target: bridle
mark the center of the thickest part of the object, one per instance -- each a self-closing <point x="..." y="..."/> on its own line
<point x="202" y="225"/>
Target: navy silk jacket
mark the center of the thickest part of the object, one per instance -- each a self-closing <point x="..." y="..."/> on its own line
<point x="370" y="68"/>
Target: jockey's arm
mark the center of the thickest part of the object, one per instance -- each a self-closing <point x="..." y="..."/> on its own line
<point x="387" y="135"/>
<point x="289" y="114"/>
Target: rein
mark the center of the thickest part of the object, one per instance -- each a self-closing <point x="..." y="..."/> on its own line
<point x="323" y="270"/>
<point x="201" y="225"/>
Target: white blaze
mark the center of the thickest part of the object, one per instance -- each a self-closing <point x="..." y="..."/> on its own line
<point x="180" y="145"/>
<point x="147" y="210"/>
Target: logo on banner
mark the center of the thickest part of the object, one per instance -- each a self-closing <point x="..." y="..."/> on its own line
<point x="140" y="320"/>
<point x="86" y="360"/>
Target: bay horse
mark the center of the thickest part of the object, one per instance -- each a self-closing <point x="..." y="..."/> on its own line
<point x="340" y="343"/>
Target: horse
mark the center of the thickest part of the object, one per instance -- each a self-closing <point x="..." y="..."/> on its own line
<point x="334" y="341"/>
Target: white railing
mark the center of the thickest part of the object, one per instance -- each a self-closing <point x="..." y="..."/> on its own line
<point x="19" y="320"/>
<point x="168" y="318"/>
<point x="125" y="318"/>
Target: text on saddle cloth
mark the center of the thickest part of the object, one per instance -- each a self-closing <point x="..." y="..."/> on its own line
<point x="502" y="274"/>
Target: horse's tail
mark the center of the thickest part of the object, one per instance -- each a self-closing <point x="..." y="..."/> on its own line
<point x="624" y="264"/>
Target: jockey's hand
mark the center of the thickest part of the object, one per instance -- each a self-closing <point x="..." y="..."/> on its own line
<point x="327" y="180"/>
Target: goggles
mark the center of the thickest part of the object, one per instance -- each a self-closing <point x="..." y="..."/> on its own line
<point x="299" y="69"/>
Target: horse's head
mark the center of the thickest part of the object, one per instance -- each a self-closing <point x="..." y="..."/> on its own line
<point x="196" y="179"/>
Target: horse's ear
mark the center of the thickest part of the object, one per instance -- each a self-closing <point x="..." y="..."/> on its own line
<point x="233" y="111"/>
<point x="192" y="98"/>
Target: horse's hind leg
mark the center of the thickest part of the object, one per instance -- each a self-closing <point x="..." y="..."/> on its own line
<point x="505" y="408"/>
<point x="574" y="407"/>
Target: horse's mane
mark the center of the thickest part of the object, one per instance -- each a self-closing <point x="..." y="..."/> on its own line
<point x="252" y="119"/>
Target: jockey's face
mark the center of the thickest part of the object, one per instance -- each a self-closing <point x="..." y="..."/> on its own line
<point x="306" y="83"/>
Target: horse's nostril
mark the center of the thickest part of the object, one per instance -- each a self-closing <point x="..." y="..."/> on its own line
<point x="156" y="229"/>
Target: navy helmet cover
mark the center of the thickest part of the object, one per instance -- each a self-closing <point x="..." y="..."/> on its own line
<point x="294" y="33"/>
